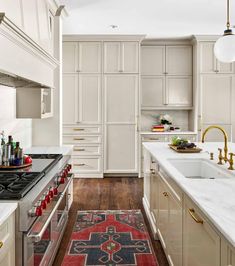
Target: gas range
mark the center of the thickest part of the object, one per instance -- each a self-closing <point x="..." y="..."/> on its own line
<point x="14" y="184"/>
<point x="42" y="194"/>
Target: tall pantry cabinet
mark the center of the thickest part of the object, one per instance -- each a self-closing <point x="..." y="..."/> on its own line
<point x="101" y="103"/>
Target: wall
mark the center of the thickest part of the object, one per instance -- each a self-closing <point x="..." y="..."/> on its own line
<point x="20" y="129"/>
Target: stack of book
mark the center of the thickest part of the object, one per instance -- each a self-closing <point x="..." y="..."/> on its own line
<point x="158" y="128"/>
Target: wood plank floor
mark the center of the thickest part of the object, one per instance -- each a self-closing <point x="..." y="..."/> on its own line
<point x="106" y="194"/>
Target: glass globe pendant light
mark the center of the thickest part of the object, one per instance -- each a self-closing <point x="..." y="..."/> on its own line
<point x="224" y="48"/>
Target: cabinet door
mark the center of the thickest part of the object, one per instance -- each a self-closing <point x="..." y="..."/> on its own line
<point x="163" y="213"/>
<point x="121" y="148"/>
<point x="70" y="88"/>
<point x="201" y="244"/>
<point x="13" y="11"/>
<point x="179" y="91"/>
<point x="153" y="60"/>
<point x="174" y="232"/>
<point x="152" y="91"/>
<point x="227" y="255"/>
<point x="89" y="95"/>
<point x="70" y="57"/>
<point x="112" y="57"/>
<point x="209" y="63"/>
<point x="215" y="99"/>
<point x="89" y="57"/>
<point x="130" y="57"/>
<point x="179" y="60"/>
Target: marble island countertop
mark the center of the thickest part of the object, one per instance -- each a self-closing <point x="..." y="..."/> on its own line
<point x="214" y="197"/>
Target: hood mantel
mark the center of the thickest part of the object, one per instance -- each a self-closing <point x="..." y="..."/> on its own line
<point x="24" y="63"/>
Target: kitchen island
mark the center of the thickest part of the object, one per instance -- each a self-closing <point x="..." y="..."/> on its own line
<point x="193" y="217"/>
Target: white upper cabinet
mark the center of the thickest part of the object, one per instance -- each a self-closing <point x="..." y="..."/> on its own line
<point x="179" y="91"/>
<point x="70" y="57"/>
<point x="82" y="57"/>
<point x="153" y="60"/>
<point x="89" y="95"/>
<point x="179" y="60"/>
<point x="201" y="244"/>
<point x="208" y="62"/>
<point x="89" y="57"/>
<point x="153" y="92"/>
<point x="70" y="96"/>
<point x="121" y="57"/>
<point x="14" y="14"/>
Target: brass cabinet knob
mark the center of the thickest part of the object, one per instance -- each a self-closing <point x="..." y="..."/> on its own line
<point x="1" y="244"/>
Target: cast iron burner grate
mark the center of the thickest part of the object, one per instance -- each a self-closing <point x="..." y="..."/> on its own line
<point x="16" y="185"/>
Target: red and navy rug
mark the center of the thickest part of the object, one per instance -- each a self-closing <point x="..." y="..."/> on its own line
<point x="110" y="238"/>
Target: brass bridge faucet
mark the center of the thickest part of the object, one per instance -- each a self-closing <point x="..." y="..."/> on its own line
<point x="225" y="157"/>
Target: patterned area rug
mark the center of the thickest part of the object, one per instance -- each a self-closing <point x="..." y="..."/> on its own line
<point x="110" y="238"/>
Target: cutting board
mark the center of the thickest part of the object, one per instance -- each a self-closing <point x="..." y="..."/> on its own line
<point x="187" y="150"/>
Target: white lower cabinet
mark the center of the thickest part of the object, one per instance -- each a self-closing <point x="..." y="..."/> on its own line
<point x="201" y="244"/>
<point x="7" y="242"/>
<point x="227" y="254"/>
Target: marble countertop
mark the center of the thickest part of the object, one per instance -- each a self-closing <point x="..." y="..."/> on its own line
<point x="215" y="198"/>
<point x="65" y="149"/>
<point x="168" y="133"/>
<point x="6" y="209"/>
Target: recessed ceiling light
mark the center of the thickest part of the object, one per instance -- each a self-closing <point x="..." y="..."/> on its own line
<point x="113" y="26"/>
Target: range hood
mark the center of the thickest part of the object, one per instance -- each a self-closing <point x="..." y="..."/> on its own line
<point x="15" y="81"/>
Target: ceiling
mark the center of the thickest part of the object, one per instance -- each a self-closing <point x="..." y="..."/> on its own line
<point x="155" y="18"/>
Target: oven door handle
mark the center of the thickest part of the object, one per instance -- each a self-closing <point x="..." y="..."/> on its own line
<point x="38" y="237"/>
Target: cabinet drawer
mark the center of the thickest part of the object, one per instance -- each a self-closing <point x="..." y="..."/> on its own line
<point x="7" y="234"/>
<point x="150" y="138"/>
<point x="86" y="165"/>
<point x="81" y="139"/>
<point x="81" y="130"/>
<point x="87" y="150"/>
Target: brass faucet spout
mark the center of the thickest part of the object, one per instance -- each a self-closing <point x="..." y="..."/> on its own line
<point x="225" y="139"/>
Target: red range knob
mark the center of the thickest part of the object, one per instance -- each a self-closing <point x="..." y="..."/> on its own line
<point x="62" y="180"/>
<point x="47" y="198"/>
<point x="51" y="194"/>
<point x="38" y="211"/>
<point x="55" y="190"/>
<point x="63" y="174"/>
<point x="69" y="166"/>
<point x="43" y="204"/>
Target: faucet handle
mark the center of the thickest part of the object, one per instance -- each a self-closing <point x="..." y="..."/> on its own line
<point x="231" y="154"/>
<point x="220" y="156"/>
<point x="211" y="156"/>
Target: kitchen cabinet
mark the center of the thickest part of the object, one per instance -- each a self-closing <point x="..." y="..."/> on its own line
<point x="166" y="60"/>
<point x="34" y="103"/>
<point x="89" y="99"/>
<point x="227" y="254"/>
<point x="120" y="114"/>
<point x="82" y="57"/>
<point x="14" y="14"/>
<point x="216" y="94"/>
<point x="208" y="63"/>
<point x="154" y="195"/>
<point x="7" y="240"/>
<point x="121" y="57"/>
<point x="201" y="244"/>
<point x="172" y="91"/>
<point x="70" y="96"/>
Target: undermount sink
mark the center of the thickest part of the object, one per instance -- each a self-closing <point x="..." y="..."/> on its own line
<point x="199" y="169"/>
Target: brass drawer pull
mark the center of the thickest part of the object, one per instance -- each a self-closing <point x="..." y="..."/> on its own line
<point x="79" y="164"/>
<point x="1" y="244"/>
<point x="78" y="139"/>
<point x="79" y="129"/>
<point x="154" y="139"/>
<point x="165" y="194"/>
<point x="79" y="149"/>
<point x="192" y="213"/>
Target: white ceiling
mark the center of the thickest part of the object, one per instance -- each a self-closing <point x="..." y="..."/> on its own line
<point x="155" y="18"/>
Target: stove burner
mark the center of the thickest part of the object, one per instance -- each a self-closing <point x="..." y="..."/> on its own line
<point x="16" y="185"/>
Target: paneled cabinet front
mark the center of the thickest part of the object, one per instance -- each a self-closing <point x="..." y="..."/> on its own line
<point x="121" y="57"/>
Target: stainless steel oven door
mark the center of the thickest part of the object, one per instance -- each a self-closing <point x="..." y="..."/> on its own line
<point x="42" y="240"/>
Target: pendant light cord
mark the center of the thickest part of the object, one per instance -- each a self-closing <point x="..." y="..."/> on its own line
<point x="228" y="15"/>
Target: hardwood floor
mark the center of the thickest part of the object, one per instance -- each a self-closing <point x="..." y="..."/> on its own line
<point x="106" y="194"/>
